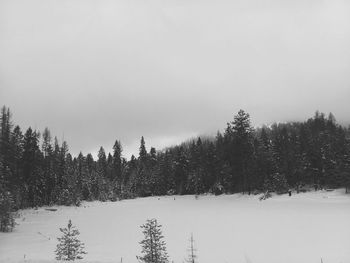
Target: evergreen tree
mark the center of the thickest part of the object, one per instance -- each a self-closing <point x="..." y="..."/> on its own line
<point x="7" y="220"/>
<point x="16" y="186"/>
<point x="265" y="161"/>
<point x="164" y="173"/>
<point x="192" y="257"/>
<point x="5" y="145"/>
<point x="102" y="162"/>
<point x="153" y="245"/>
<point x="224" y="174"/>
<point x="131" y="181"/>
<point x="32" y="170"/>
<point x="143" y="185"/>
<point x="142" y="151"/>
<point x="154" y="177"/>
<point x="101" y="180"/>
<point x="69" y="247"/>
<point x="70" y="192"/>
<point x="196" y="168"/>
<point x="276" y="183"/>
<point x="117" y="162"/>
<point x="180" y="164"/>
<point x="153" y="157"/>
<point x="242" y="133"/>
<point x="83" y="177"/>
<point x="46" y="144"/>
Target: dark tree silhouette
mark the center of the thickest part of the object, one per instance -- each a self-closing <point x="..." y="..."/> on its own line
<point x="153" y="245"/>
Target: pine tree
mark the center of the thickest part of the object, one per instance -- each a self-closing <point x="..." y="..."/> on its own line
<point x="276" y="183"/>
<point x="69" y="247"/>
<point x="32" y="170"/>
<point x="192" y="257"/>
<point x="143" y="171"/>
<point x="153" y="245"/>
<point x="142" y="151"/>
<point x="7" y="220"/>
<point x="265" y="161"/>
<point x="5" y="145"/>
<point x="180" y="165"/>
<point x="70" y="193"/>
<point x="15" y="182"/>
<point x="117" y="161"/>
<point x="242" y="150"/>
<point x="102" y="162"/>
<point x="163" y="174"/>
<point x="195" y="180"/>
<point x="101" y="176"/>
<point x="46" y="144"/>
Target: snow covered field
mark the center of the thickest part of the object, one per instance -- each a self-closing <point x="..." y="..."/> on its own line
<point x="227" y="229"/>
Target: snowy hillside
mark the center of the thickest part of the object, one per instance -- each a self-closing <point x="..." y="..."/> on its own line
<point x="227" y="229"/>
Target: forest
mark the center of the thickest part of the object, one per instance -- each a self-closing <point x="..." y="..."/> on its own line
<point x="38" y="170"/>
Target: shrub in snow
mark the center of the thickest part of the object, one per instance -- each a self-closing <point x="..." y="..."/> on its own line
<point x="69" y="197"/>
<point x="69" y="247"/>
<point x="217" y="189"/>
<point x="153" y="245"/>
<point x="195" y="183"/>
<point x="7" y="221"/>
<point x="265" y="196"/>
<point x="126" y="194"/>
<point x="171" y="192"/>
<point x="276" y="183"/>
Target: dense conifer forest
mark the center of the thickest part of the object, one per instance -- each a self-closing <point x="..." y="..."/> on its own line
<point x="36" y="169"/>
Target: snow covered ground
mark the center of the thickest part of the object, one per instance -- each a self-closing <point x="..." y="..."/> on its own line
<point x="227" y="229"/>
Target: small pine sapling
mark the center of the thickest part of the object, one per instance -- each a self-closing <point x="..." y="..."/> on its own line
<point x="69" y="247"/>
<point x="153" y="245"/>
<point x="192" y="257"/>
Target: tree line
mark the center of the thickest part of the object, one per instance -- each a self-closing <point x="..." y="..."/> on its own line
<point x="36" y="169"/>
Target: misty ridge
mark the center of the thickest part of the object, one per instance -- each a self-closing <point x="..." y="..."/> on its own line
<point x="38" y="170"/>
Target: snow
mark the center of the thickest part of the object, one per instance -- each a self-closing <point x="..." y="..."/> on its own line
<point x="302" y="228"/>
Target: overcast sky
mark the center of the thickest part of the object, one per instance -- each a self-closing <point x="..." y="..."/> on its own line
<point x="94" y="71"/>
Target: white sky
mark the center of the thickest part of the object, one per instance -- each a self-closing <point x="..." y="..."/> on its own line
<point x="98" y="70"/>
